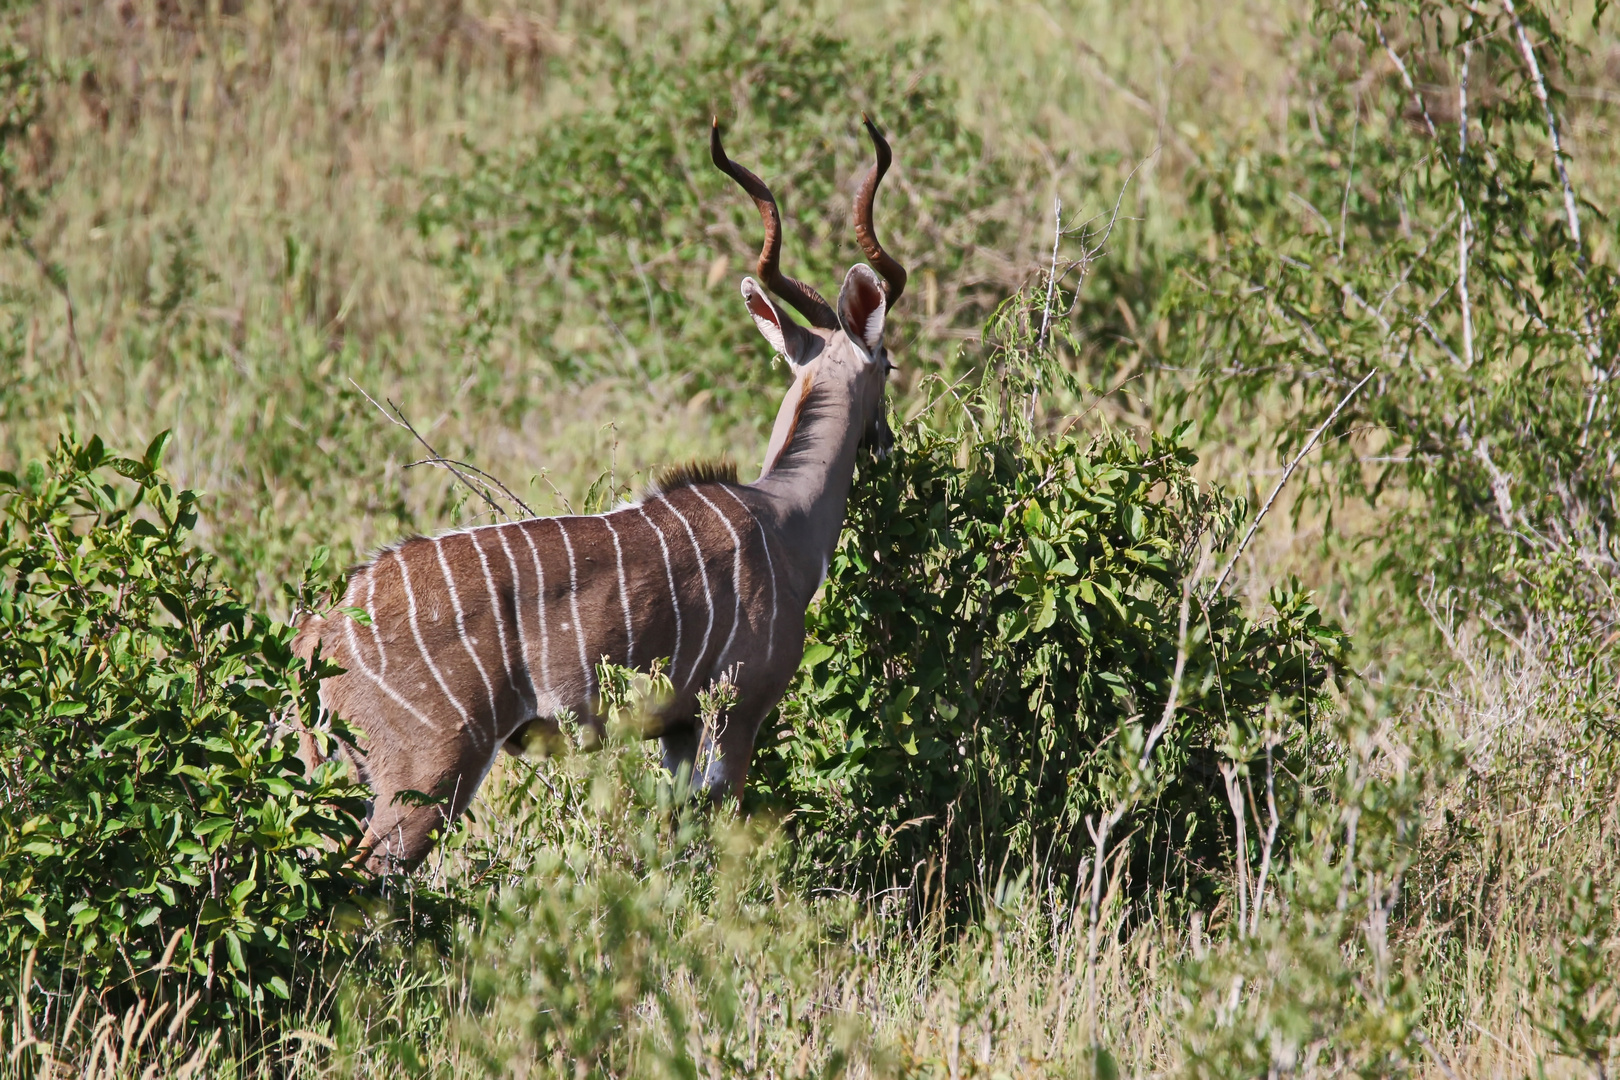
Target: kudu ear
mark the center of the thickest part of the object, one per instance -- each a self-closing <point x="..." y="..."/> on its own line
<point x="787" y="337"/>
<point x="862" y="305"/>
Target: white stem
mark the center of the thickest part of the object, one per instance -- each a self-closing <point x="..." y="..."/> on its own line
<point x="1100" y="831"/>
<point x="1046" y="312"/>
<point x="1270" y="840"/>
<point x="1538" y="85"/>
<point x="1051" y="276"/>
<point x="1464" y="223"/>
<point x="1400" y="66"/>
<point x="1234" y="796"/>
<point x="1289" y="471"/>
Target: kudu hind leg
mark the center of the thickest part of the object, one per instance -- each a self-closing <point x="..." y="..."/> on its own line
<point x="680" y="745"/>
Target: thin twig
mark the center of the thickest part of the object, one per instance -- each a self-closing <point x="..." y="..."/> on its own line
<point x="1051" y="276"/>
<point x="1538" y="86"/>
<point x="449" y="463"/>
<point x="58" y="283"/>
<point x="1289" y="471"/>
<point x="1046" y="311"/>
<point x="1400" y="66"/>
<point x="1268" y="843"/>
<point x="435" y="458"/>
<point x="1430" y="1049"/>
<point x="1465" y="224"/>
<point x="1100" y="829"/>
<point x="1240" y="827"/>
<point x="1349" y="179"/>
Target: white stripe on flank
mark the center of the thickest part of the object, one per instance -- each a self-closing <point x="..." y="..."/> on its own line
<point x="371" y="610"/>
<point x="703" y="574"/>
<point x="551" y="703"/>
<point x="624" y="597"/>
<point x="495" y="607"/>
<point x="736" y="577"/>
<point x="674" y="597"/>
<point x="764" y="542"/>
<point x="421" y="646"/>
<point x="573" y="606"/>
<point x="365" y="669"/>
<point x="461" y="629"/>
<point x="517" y="613"/>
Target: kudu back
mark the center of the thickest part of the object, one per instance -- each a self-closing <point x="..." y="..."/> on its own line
<point x="477" y="636"/>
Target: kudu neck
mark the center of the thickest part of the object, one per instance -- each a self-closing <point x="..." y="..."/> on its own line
<point x="809" y="480"/>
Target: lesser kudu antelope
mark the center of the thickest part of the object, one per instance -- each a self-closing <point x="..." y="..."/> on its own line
<point x="478" y="635"/>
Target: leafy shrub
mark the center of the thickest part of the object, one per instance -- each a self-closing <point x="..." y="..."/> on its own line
<point x="1003" y="612"/>
<point x="1457" y="262"/>
<point x="152" y="812"/>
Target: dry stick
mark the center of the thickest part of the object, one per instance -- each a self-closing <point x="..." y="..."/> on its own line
<point x="1051" y="276"/>
<point x="1349" y="180"/>
<point x="1240" y="826"/>
<point x="1100" y="830"/>
<point x="1465" y="224"/>
<point x="1289" y="471"/>
<point x="435" y="458"/>
<point x="1046" y="312"/>
<point x="445" y="463"/>
<point x="1400" y="66"/>
<point x="1439" y="1060"/>
<point x="1268" y="843"/>
<point x="1539" y="86"/>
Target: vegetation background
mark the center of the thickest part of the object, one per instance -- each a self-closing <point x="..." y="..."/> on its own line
<point x="1337" y="799"/>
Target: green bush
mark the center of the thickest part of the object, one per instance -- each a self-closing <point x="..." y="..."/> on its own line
<point x="998" y="633"/>
<point x="153" y="815"/>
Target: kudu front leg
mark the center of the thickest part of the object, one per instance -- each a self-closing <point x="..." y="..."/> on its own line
<point x="716" y="756"/>
<point x="726" y="748"/>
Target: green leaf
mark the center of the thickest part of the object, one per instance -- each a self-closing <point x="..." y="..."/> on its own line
<point x="814" y="654"/>
<point x="153" y="457"/>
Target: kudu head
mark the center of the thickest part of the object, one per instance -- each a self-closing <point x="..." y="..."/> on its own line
<point x="841" y="353"/>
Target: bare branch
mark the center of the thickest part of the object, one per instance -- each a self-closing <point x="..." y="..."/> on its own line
<point x="1400" y="66"/>
<point x="1289" y="471"/>
<point x="1051" y="277"/>
<point x="1101" y="829"/>
<point x="397" y="418"/>
<point x="1269" y="841"/>
<point x="1538" y="86"/>
<point x="1465" y="224"/>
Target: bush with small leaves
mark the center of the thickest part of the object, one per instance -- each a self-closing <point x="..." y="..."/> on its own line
<point x="153" y="815"/>
<point x="1002" y="627"/>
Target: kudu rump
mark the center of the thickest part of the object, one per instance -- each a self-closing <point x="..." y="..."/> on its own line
<point x="476" y="635"/>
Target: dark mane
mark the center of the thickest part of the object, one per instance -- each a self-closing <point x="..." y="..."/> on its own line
<point x="692" y="474"/>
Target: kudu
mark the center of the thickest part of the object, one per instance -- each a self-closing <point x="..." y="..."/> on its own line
<point x="477" y="636"/>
